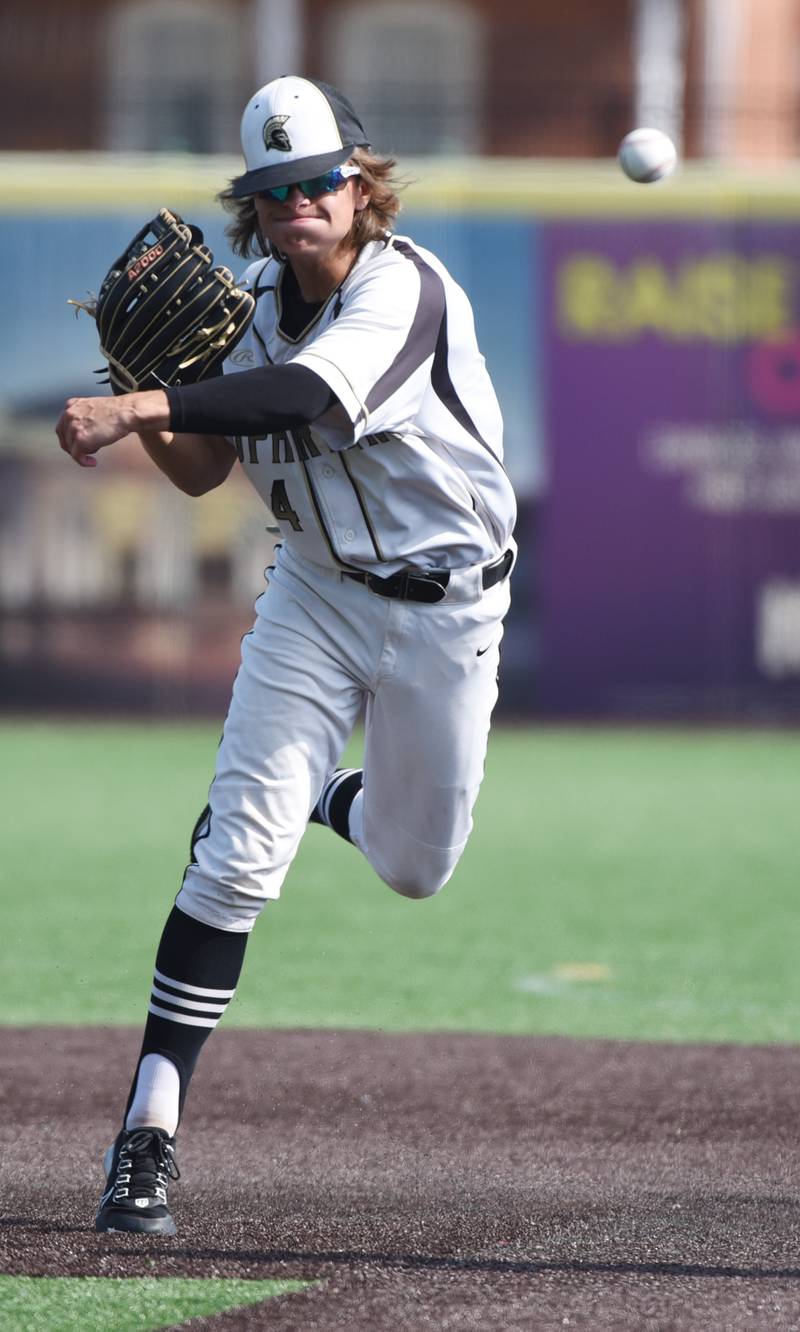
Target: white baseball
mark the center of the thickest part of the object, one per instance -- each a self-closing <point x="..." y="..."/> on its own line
<point x="647" y="155"/>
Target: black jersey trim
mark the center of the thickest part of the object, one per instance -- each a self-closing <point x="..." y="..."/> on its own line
<point x="445" y="390"/>
<point x="441" y="383"/>
<point x="312" y="495"/>
<point x="317" y="507"/>
<point x="258" y="290"/>
<point x="422" y="336"/>
<point x="362" y="504"/>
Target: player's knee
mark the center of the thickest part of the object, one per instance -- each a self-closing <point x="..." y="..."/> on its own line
<point x="419" y="881"/>
<point x="415" y="888"/>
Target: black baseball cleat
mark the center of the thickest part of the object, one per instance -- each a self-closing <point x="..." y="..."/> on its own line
<point x="139" y="1167"/>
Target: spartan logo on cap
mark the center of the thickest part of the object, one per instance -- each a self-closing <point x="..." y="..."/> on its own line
<point x="275" y="135"/>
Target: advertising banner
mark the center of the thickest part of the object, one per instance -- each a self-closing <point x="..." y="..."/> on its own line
<point x="669" y="556"/>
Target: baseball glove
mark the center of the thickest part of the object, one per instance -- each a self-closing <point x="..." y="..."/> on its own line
<point x="165" y="314"/>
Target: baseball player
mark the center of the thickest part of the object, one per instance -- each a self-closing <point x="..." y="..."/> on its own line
<point x="359" y="406"/>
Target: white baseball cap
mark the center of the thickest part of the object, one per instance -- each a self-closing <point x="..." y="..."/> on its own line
<point x="294" y="129"/>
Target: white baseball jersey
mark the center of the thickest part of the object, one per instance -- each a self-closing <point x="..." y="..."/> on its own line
<point x="406" y="470"/>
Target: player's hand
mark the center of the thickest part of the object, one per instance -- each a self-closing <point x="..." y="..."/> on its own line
<point x="89" y="424"/>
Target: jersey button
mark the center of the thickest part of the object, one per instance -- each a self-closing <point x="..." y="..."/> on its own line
<point x="328" y="471"/>
<point x="349" y="535"/>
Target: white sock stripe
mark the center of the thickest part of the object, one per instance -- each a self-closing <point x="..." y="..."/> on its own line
<point x="219" y="1009"/>
<point x="324" y="806"/>
<point x="193" y="989"/>
<point x="331" y="788"/>
<point x="178" y="1017"/>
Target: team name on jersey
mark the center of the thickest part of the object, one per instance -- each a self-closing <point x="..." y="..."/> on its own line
<point x="291" y="446"/>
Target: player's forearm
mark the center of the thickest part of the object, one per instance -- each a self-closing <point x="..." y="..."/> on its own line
<point x="251" y="402"/>
<point x="193" y="463"/>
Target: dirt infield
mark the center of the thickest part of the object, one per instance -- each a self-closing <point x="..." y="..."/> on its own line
<point x="448" y="1181"/>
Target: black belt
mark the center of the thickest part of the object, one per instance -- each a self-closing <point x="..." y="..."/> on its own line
<point x="410" y="586"/>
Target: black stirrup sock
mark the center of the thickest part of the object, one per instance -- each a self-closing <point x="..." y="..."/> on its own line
<point x="196" y="971"/>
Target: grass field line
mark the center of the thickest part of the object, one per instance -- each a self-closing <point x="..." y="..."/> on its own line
<point x="546" y="985"/>
<point x="126" y="1304"/>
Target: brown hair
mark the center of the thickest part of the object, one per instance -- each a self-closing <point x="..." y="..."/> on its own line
<point x="371" y="223"/>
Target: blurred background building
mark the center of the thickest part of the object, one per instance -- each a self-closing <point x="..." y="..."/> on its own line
<point x="502" y="77"/>
<point x="644" y="342"/>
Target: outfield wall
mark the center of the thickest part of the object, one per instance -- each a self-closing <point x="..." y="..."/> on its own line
<point x="645" y="349"/>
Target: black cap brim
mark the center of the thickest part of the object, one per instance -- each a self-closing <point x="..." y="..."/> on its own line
<point x="289" y="173"/>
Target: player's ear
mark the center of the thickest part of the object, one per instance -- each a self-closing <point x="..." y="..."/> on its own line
<point x="362" y="194"/>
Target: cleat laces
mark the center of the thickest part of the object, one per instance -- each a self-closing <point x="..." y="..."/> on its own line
<point x="146" y="1165"/>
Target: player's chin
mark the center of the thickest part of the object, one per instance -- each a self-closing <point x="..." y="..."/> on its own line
<point x="291" y="242"/>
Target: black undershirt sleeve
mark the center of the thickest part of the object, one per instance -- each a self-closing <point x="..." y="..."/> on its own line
<point x="250" y="402"/>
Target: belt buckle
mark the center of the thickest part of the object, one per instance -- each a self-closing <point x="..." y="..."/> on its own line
<point x="428" y="589"/>
<point x="407" y="586"/>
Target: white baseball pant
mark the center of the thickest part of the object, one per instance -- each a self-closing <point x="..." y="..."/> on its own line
<point x="323" y="647"/>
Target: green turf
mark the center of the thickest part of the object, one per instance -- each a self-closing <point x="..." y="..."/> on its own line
<point x="666" y="860"/>
<point x="129" y="1304"/>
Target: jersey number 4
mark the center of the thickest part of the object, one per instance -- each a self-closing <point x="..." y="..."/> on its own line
<point x="281" y="508"/>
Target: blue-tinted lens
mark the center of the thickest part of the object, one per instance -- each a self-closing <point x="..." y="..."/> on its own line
<point x="312" y="189"/>
<point x="325" y="184"/>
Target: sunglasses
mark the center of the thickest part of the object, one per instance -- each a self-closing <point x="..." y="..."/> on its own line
<point x="312" y="189"/>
